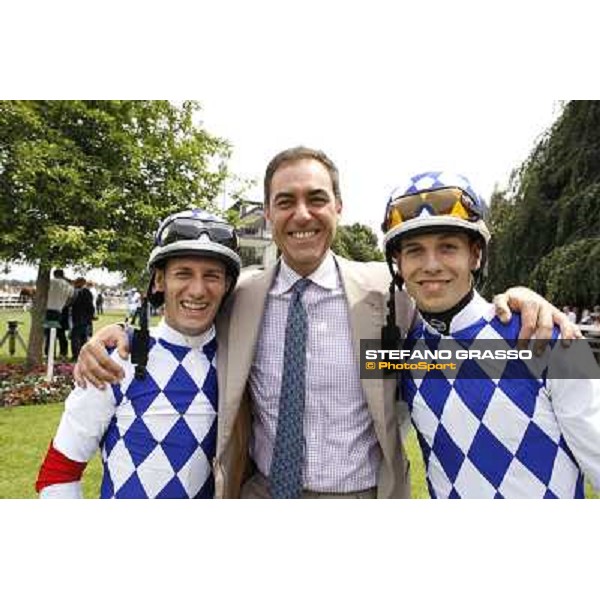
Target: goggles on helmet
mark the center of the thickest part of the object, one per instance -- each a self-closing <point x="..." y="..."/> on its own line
<point x="185" y="228"/>
<point x="451" y="202"/>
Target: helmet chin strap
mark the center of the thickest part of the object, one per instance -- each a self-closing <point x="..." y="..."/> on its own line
<point x="480" y="274"/>
<point x="390" y="332"/>
<point x="140" y="342"/>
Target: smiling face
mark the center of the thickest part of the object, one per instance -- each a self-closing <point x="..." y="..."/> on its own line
<point x="193" y="289"/>
<point x="437" y="267"/>
<point x="303" y="212"/>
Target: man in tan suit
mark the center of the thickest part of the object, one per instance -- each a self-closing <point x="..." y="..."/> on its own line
<point x="239" y="331"/>
<point x="351" y="445"/>
<point x="361" y="439"/>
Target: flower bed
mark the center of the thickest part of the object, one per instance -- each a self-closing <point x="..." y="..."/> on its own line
<point x="21" y="388"/>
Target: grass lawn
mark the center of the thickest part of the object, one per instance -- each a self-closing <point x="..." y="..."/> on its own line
<point x="25" y="433"/>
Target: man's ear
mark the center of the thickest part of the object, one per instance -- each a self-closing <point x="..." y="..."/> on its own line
<point x="159" y="281"/>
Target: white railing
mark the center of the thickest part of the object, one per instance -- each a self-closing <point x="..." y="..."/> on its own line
<point x="592" y="335"/>
<point x="590" y="330"/>
<point x="12" y="302"/>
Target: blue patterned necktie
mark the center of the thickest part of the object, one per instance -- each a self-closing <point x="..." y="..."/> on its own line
<point x="285" y="478"/>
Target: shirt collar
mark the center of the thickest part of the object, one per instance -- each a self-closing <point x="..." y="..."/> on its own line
<point x="325" y="275"/>
<point x="173" y="336"/>
<point x="471" y="313"/>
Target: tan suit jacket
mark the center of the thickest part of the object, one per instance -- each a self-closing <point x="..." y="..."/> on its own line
<point x="366" y="286"/>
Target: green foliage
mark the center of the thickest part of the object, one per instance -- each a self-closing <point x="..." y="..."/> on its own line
<point x="357" y="242"/>
<point x="546" y="234"/>
<point x="84" y="182"/>
<point x="570" y="274"/>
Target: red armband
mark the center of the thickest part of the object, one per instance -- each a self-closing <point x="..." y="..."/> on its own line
<point x="57" y="468"/>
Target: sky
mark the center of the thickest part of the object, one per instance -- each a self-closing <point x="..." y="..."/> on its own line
<point x="379" y="143"/>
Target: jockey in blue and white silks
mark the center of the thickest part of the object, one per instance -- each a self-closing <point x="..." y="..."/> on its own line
<point x="157" y="435"/>
<point x="156" y="429"/>
<point x="505" y="431"/>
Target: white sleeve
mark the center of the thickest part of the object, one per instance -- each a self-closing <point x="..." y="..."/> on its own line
<point x="84" y="421"/>
<point x="62" y="491"/>
<point x="576" y="404"/>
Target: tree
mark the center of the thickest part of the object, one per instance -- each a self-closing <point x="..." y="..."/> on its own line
<point x="547" y="234"/>
<point x="499" y="261"/>
<point x="570" y="274"/>
<point x="357" y="242"/>
<point x="85" y="182"/>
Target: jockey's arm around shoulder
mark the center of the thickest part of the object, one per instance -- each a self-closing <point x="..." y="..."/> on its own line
<point x="94" y="365"/>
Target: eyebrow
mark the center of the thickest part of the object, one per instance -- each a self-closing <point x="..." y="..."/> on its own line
<point x="283" y="196"/>
<point x="409" y="245"/>
<point x="181" y="270"/>
<point x="315" y="192"/>
<point x="416" y="244"/>
<point x="186" y="269"/>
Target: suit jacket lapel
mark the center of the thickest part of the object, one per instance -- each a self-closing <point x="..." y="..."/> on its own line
<point x="367" y="314"/>
<point x="242" y="330"/>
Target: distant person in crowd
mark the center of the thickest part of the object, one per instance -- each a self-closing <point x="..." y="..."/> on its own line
<point x="157" y="429"/>
<point x="90" y="286"/>
<point x="100" y="303"/>
<point x="65" y="322"/>
<point x="487" y="429"/>
<point x="134" y="304"/>
<point x="82" y="315"/>
<point x="60" y="293"/>
<point x="571" y="314"/>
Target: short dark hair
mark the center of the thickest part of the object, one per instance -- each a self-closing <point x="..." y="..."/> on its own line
<point x="58" y="273"/>
<point x="301" y="153"/>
